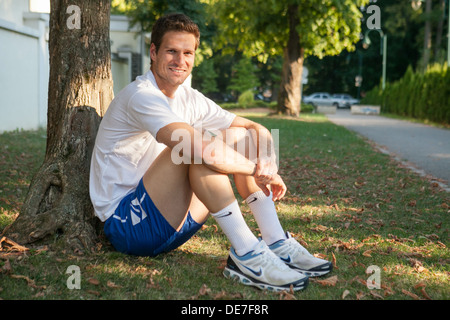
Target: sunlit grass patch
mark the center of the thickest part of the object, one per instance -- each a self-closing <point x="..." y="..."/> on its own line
<point x="346" y="202"/>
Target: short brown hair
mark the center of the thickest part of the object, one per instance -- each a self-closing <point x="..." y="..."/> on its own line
<point x="173" y="22"/>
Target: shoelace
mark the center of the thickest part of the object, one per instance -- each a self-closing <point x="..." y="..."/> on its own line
<point x="270" y="256"/>
<point x="297" y="247"/>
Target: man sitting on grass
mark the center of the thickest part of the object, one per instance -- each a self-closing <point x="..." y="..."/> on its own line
<point x="161" y="166"/>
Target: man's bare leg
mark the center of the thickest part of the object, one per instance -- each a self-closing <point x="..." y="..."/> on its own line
<point x="178" y="189"/>
<point x="262" y="207"/>
<point x="169" y="188"/>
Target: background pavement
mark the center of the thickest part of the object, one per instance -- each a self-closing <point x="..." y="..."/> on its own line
<point x="424" y="148"/>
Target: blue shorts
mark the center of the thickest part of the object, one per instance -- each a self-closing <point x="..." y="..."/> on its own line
<point x="138" y="228"/>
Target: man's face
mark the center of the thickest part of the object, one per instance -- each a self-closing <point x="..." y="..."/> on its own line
<point x="173" y="62"/>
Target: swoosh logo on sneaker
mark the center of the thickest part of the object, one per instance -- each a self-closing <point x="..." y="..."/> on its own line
<point x="287" y="260"/>
<point x="256" y="273"/>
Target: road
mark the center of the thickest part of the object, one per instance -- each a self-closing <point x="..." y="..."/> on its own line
<point x="425" y="148"/>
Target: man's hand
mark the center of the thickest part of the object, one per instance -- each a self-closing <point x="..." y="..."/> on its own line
<point x="266" y="167"/>
<point x="273" y="183"/>
<point x="267" y="178"/>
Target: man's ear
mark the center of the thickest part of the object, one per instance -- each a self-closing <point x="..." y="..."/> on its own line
<point x="153" y="51"/>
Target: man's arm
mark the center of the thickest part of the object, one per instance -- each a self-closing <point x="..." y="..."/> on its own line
<point x="266" y="175"/>
<point x="266" y="157"/>
<point x="196" y="147"/>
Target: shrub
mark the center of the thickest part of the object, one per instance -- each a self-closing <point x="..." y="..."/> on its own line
<point x="246" y="99"/>
<point x="307" y="108"/>
<point x="418" y="95"/>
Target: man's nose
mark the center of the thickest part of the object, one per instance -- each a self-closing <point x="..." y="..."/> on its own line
<point x="179" y="59"/>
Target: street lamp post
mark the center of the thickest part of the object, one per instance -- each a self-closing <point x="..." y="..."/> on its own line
<point x="383" y="51"/>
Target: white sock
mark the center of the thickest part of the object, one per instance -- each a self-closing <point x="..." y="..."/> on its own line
<point x="232" y="223"/>
<point x="264" y="211"/>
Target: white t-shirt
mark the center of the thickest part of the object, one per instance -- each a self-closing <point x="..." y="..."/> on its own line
<point x="126" y="142"/>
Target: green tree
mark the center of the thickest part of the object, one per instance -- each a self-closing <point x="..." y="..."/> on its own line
<point x="204" y="77"/>
<point x="145" y="13"/>
<point x="243" y="77"/>
<point x="293" y="28"/>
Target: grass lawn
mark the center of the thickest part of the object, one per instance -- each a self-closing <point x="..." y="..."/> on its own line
<point x="347" y="202"/>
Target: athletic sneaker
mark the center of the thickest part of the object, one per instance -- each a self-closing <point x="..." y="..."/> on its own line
<point x="298" y="258"/>
<point x="263" y="269"/>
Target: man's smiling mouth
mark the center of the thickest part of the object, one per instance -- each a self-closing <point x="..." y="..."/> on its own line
<point x="177" y="70"/>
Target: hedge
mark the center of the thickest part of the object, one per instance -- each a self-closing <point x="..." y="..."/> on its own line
<point x="418" y="95"/>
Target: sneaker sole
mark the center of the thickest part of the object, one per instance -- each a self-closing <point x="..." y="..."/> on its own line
<point x="315" y="272"/>
<point x="249" y="281"/>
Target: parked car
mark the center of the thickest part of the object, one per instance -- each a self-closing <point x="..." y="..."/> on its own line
<point x="343" y="100"/>
<point x="318" y="99"/>
<point x="260" y="96"/>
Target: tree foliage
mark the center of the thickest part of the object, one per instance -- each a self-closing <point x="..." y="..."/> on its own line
<point x="260" y="28"/>
<point x="292" y="28"/>
<point x="244" y="77"/>
<point x="204" y="77"/>
<point x="145" y="13"/>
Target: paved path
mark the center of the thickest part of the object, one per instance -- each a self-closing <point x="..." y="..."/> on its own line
<point x="425" y="148"/>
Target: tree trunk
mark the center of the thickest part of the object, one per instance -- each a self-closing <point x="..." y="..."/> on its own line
<point x="439" y="31"/>
<point x="57" y="207"/>
<point x="289" y="97"/>
<point x="427" y="38"/>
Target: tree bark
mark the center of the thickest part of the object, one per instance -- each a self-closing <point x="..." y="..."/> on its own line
<point x="289" y="96"/>
<point x="427" y="37"/>
<point x="439" y="31"/>
<point x="57" y="208"/>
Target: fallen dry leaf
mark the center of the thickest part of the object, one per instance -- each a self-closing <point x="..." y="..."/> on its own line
<point x="284" y="295"/>
<point x="319" y="228"/>
<point x="412" y="295"/>
<point x="367" y="253"/>
<point x="222" y="294"/>
<point x="360" y="295"/>
<point x="331" y="281"/>
<point x="95" y="293"/>
<point x="29" y="281"/>
<point x="426" y="296"/>
<point x="320" y="255"/>
<point x="376" y="295"/>
<point x="287" y="295"/>
<point x="111" y="284"/>
<point x="152" y="285"/>
<point x="94" y="281"/>
<point x="333" y="261"/>
<point x="421" y="285"/>
<point x="204" y="290"/>
<point x="345" y="294"/>
<point x="225" y="295"/>
<point x="362" y="281"/>
<point x="6" y="267"/>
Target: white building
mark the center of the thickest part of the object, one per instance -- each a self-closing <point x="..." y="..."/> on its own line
<point x="24" y="61"/>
